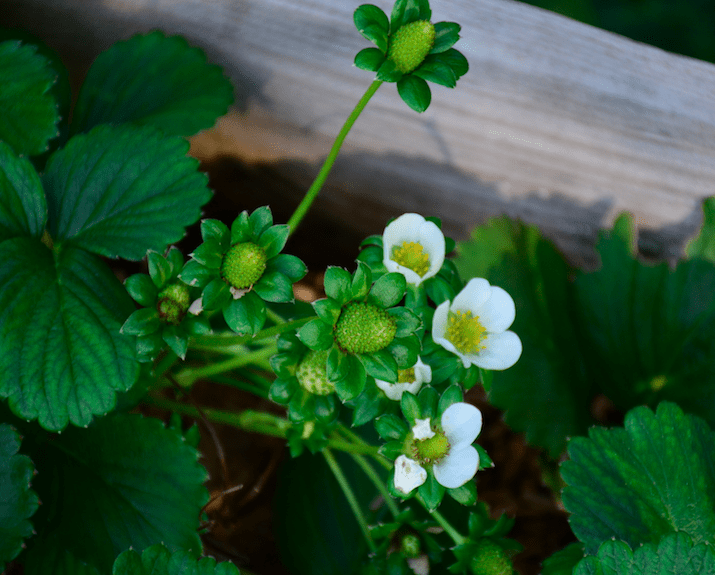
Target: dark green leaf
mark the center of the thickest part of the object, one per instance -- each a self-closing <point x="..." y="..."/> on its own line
<point x="466" y="494"/>
<point x="217" y="231"/>
<point x="143" y="321"/>
<point x="275" y="287"/>
<point x="640" y="483"/>
<point x="209" y="254"/>
<point x="703" y="246"/>
<point x="388" y="290"/>
<point x="142" y="289"/>
<point x="373" y="24"/>
<point x="327" y="310"/>
<point x="245" y="315"/>
<point x="316" y="335"/>
<point x="216" y="295"/>
<point x="431" y="492"/>
<point x="159" y="269"/>
<point x="414" y="92"/>
<point x="176" y="261"/>
<point x="337" y="284"/>
<point x="120" y="191"/>
<point x="380" y="365"/>
<point x="30" y="116"/>
<point x="369" y="404"/>
<point x="283" y="389"/>
<point x="176" y="339"/>
<point x="362" y="280"/>
<point x="158" y="560"/>
<point x="446" y="35"/>
<point x="674" y="554"/>
<point x="428" y="398"/>
<point x="436" y="72"/>
<point x="153" y="80"/>
<point x="196" y="274"/>
<point x="260" y="220"/>
<point x="23" y="210"/>
<point x="354" y="381"/>
<point x="439" y="290"/>
<point x="390" y="426"/>
<point x="274" y="239"/>
<point x="133" y="483"/>
<point x="563" y="562"/>
<point x="19" y="502"/>
<point x="391" y="449"/>
<point x="290" y="266"/>
<point x="453" y="394"/>
<point x="369" y="59"/>
<point x="61" y="354"/>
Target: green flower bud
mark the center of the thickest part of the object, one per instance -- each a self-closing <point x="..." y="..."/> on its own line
<point x="243" y="265"/>
<point x="312" y="373"/>
<point x="410" y="546"/>
<point x="410" y="44"/>
<point x="490" y="559"/>
<point x="364" y="328"/>
<point x="173" y="303"/>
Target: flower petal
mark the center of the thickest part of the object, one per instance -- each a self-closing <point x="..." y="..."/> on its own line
<point x="502" y="351"/>
<point x="439" y="323"/>
<point x="422" y="429"/>
<point x="473" y="296"/>
<point x="408" y="474"/>
<point x="432" y="240"/>
<point x="458" y="467"/>
<point x="461" y="423"/>
<point x="423" y="372"/>
<point x="498" y="312"/>
<point x="413" y="228"/>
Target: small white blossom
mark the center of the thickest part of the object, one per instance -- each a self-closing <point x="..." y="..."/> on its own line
<point x="422" y="374"/>
<point x="474" y="325"/>
<point x="408" y="474"/>
<point x="422" y="429"/>
<point x="414" y="247"/>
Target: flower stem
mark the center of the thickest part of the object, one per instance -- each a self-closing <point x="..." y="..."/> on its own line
<point x="186" y="377"/>
<point x="315" y="187"/>
<point x="456" y="536"/>
<point x="350" y="496"/>
<point x="377" y="482"/>
<point x="217" y="341"/>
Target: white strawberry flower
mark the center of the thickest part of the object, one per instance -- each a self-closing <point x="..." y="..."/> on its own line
<point x="414" y="247"/>
<point x="408" y="380"/>
<point x="474" y="326"/>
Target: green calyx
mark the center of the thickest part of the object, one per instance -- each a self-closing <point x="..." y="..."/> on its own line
<point x="173" y="303"/>
<point x="489" y="559"/>
<point x="410" y="546"/>
<point x="410" y="44"/>
<point x="432" y="449"/>
<point x="364" y="328"/>
<point x="312" y="374"/>
<point x="243" y="265"/>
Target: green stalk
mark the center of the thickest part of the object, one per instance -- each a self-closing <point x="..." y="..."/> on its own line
<point x="350" y="496"/>
<point x="231" y="340"/>
<point x="456" y="536"/>
<point x="315" y="187"/>
<point x="377" y="482"/>
<point x="186" y="377"/>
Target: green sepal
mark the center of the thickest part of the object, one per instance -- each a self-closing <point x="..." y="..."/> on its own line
<point x="240" y="229"/>
<point x="196" y="324"/>
<point x="446" y="35"/>
<point x="176" y="260"/>
<point x="388" y="290"/>
<point x="209" y="254"/>
<point x="302" y="406"/>
<point x="410" y="408"/>
<point x="453" y="394"/>
<point x="369" y="59"/>
<point x="407" y="322"/>
<point x="337" y="284"/>
<point x="466" y="494"/>
<point x="282" y="389"/>
<point x="282" y="363"/>
<point x="373" y="24"/>
<point x="455" y="60"/>
<point x="142" y="322"/>
<point x="197" y="275"/>
<point x="428" y="398"/>
<point x="245" y="315"/>
<point x="327" y="310"/>
<point x="274" y="239"/>
<point x="216" y="231"/>
<point x="176" y="339"/>
<point x="369" y="404"/>
<point x="405" y="350"/>
<point x="159" y="269"/>
<point x="372" y="256"/>
<point x="216" y="295"/>
<point x="361" y="282"/>
<point x="389" y="427"/>
<point x="439" y="290"/>
<point x="431" y="492"/>
<point x="337" y="365"/>
<point x="141" y="289"/>
<point x="260" y="220"/>
<point x="373" y="240"/>
<point x="436" y="72"/>
<point x="274" y="286"/>
<point x="415" y="92"/>
<point x="485" y="461"/>
<point x="290" y="266"/>
<point x="325" y="408"/>
<point x="406" y="11"/>
<point x="388" y="72"/>
<point x="354" y="381"/>
<point x="149" y="346"/>
<point x="380" y="365"/>
<point x="391" y="450"/>
<point x="316" y="335"/>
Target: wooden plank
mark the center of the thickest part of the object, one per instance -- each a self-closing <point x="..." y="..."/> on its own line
<point x="556" y="122"/>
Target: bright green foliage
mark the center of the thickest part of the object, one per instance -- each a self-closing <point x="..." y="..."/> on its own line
<point x="703" y="246"/>
<point x="120" y="191"/>
<point x="29" y="112"/>
<point x="61" y="354"/>
<point x="563" y="562"/>
<point x="158" y="560"/>
<point x="17" y="501"/>
<point x="674" y="554"/>
<point x="547" y="392"/>
<point x="637" y="484"/>
<point x="153" y="80"/>
<point x="647" y="329"/>
<point x="127" y="481"/>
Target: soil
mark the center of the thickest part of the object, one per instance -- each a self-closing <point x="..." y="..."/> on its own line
<point x="240" y="522"/>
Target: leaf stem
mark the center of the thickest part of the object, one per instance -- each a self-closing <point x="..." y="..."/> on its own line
<point x="350" y="496"/>
<point x="456" y="536"/>
<point x="315" y="187"/>
<point x="230" y="340"/>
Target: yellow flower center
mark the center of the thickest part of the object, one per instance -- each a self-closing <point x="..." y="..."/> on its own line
<point x="412" y="256"/>
<point x="406" y="375"/>
<point x="465" y="332"/>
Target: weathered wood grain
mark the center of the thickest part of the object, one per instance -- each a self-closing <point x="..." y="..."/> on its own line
<point x="556" y="122"/>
